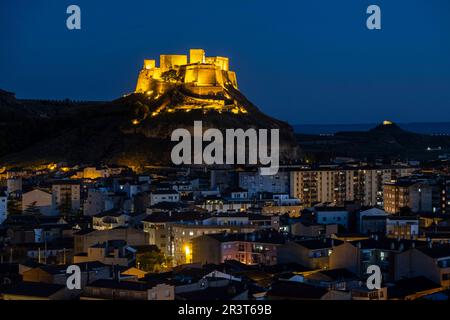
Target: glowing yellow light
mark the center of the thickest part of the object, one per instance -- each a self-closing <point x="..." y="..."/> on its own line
<point x="188" y="253"/>
<point x="154" y="114"/>
<point x="387" y="123"/>
<point x="65" y="169"/>
<point x="135" y="122"/>
<point x="52" y="166"/>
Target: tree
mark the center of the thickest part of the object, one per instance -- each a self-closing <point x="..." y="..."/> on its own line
<point x="405" y="211"/>
<point x="32" y="209"/>
<point x="13" y="206"/>
<point x="170" y="75"/>
<point x="152" y="261"/>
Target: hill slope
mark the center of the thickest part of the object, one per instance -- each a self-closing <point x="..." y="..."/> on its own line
<point x="120" y="132"/>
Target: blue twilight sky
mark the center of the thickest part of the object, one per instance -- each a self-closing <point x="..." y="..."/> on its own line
<point x="300" y="61"/>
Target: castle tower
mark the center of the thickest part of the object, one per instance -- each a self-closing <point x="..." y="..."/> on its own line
<point x="149" y="64"/>
<point x="196" y="56"/>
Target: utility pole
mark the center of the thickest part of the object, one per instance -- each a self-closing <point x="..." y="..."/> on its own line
<point x="45" y="252"/>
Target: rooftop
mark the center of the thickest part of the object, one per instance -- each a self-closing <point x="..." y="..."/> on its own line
<point x="437" y="251"/>
<point x="34" y="289"/>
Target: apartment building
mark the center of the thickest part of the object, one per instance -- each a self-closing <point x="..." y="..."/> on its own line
<point x="66" y="196"/>
<point x="336" y="184"/>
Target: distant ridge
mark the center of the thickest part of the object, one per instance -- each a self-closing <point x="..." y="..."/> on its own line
<point x="433" y="128"/>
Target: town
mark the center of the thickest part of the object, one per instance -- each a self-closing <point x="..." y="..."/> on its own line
<point x="309" y="232"/>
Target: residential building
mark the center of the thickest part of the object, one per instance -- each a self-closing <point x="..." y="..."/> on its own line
<point x="372" y="220"/>
<point x="183" y="232"/>
<point x="164" y="196"/>
<point x="311" y="253"/>
<point x="110" y="220"/>
<point x="255" y="183"/>
<point x="66" y="196"/>
<point x="56" y="274"/>
<point x="331" y="215"/>
<point x="115" y="289"/>
<point x="402" y="227"/>
<point x="431" y="261"/>
<point x="84" y="239"/>
<point x="252" y="249"/>
<point x="337" y="184"/>
<point x="37" y="199"/>
<point x="112" y="252"/>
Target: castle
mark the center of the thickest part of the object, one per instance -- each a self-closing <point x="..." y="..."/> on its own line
<point x="204" y="80"/>
<point x="202" y="75"/>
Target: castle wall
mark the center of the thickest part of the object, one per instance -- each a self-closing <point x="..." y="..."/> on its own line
<point x="170" y="61"/>
<point x="148" y="79"/>
<point x="232" y="78"/>
<point x="203" y="90"/>
<point x="220" y="62"/>
<point x="201" y="75"/>
<point x="143" y="83"/>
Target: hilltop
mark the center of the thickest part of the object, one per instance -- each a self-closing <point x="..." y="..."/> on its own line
<point x="386" y="140"/>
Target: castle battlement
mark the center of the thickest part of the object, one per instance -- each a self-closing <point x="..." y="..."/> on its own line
<point x="202" y="75"/>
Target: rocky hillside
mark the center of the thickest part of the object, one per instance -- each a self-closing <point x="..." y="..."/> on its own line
<point x="121" y="131"/>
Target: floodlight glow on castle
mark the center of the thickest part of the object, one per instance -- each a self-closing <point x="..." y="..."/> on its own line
<point x="204" y="80"/>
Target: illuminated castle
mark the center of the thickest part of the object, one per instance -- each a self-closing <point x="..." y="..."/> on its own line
<point x="204" y="81"/>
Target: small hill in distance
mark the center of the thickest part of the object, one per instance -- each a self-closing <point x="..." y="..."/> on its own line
<point x="385" y="141"/>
